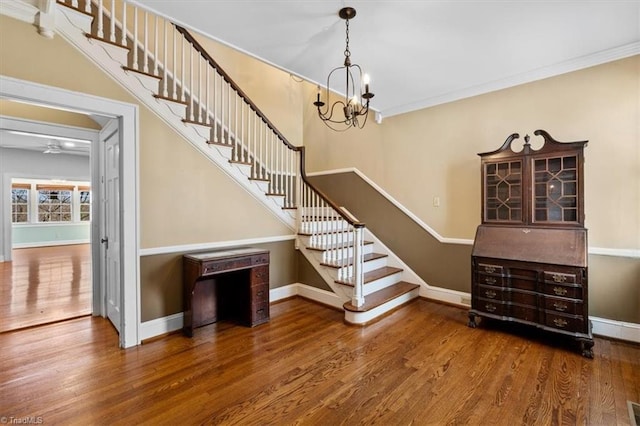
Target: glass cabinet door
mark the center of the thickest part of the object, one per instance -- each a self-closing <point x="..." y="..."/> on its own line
<point x="503" y="191"/>
<point x="555" y="193"/>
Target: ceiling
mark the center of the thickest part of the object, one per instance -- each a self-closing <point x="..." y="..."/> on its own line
<point x="420" y="53"/>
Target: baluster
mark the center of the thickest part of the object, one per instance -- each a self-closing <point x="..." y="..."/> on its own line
<point x="135" y="38"/>
<point x="112" y="22"/>
<point x="123" y="39"/>
<point x="263" y="142"/>
<point x="215" y="106"/>
<point x="183" y="97"/>
<point x="222" y="109"/>
<point x="175" y="69"/>
<point x="207" y="71"/>
<point x="165" y="62"/>
<point x="241" y="130"/>
<point x="229" y="113"/>
<point x="87" y="7"/>
<point x="100" y="11"/>
<point x="145" y="51"/>
<point x="155" y="45"/>
<point x="236" y="98"/>
<point x="191" y="97"/>
<point x="74" y="3"/>
<point x="199" y="102"/>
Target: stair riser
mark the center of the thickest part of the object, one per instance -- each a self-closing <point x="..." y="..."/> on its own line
<point x="381" y="283"/>
<point x="364" y="317"/>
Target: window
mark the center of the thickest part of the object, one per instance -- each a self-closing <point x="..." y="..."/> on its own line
<point x="54" y="204"/>
<point x="20" y="203"/>
<point x="85" y="204"/>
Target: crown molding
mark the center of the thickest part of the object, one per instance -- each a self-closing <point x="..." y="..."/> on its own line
<point x="575" y="64"/>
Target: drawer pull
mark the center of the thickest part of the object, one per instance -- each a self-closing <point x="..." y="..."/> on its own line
<point x="490" y="294"/>
<point x="261" y="292"/>
<point x="559" y="278"/>
<point x="490" y="280"/>
<point x="490" y="307"/>
<point x="260" y="311"/>
<point x="560" y="306"/>
<point x="489" y="269"/>
<point x="560" y="291"/>
<point x="559" y="322"/>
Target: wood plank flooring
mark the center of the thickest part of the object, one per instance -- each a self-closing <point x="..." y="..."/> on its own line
<point x="45" y="284"/>
<point x="419" y="365"/>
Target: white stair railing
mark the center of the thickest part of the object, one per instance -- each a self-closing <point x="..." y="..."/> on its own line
<point x="187" y="74"/>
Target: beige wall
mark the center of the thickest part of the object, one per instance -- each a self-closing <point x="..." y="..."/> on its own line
<point x="432" y="152"/>
<point x="184" y="198"/>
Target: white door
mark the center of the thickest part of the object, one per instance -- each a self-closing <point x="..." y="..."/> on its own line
<point x="110" y="141"/>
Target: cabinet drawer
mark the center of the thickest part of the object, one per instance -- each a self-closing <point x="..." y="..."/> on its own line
<point x="560" y="277"/>
<point x="260" y="293"/>
<point x="490" y="306"/>
<point x="260" y="275"/>
<point x="490" y="269"/>
<point x="564" y="322"/>
<point x="524" y="298"/>
<point x="525" y="313"/>
<point x="490" y="280"/>
<point x="490" y="292"/>
<point x="568" y="306"/>
<point x="569" y="291"/>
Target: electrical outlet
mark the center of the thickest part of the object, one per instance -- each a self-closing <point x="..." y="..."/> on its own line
<point x="436" y="201"/>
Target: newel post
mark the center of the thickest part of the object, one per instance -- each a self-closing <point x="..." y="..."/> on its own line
<point x="358" y="273"/>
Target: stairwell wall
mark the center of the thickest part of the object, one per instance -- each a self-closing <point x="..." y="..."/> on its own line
<point x="184" y="198"/>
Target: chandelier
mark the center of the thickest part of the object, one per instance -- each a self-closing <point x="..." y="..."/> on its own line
<point x="345" y="113"/>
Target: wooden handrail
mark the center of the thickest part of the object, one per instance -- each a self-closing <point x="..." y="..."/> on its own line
<point x="198" y="47"/>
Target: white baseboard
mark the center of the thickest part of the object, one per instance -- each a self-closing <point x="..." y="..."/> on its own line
<point x="601" y="326"/>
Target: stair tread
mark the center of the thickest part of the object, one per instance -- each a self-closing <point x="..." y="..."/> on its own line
<point x="371" y="276"/>
<point x="198" y="123"/>
<point x="107" y="41"/>
<point x="165" y="98"/>
<point x="380" y="297"/>
<point x="366" y="258"/>
<point x="126" y="68"/>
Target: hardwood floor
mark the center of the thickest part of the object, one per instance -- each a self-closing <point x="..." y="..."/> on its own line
<point x="45" y="284"/>
<point x="419" y="365"/>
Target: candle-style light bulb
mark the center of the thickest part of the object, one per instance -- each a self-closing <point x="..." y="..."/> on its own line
<point x="366" y="80"/>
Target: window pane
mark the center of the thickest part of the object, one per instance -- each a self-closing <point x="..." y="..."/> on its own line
<point x="19" y="205"/>
<point x="54" y="206"/>
<point x="85" y="206"/>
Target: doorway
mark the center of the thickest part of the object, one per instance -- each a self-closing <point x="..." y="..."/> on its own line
<point x="125" y="116"/>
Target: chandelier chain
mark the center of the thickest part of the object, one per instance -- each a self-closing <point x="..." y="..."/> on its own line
<point x="347" y="52"/>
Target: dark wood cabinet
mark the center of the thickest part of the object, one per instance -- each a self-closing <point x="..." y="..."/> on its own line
<point x="230" y="285"/>
<point x="529" y="258"/>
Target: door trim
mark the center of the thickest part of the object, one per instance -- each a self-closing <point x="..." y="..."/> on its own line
<point x="127" y="115"/>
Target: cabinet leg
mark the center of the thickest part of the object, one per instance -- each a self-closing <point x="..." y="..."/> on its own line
<point x="472" y="320"/>
<point x="587" y="347"/>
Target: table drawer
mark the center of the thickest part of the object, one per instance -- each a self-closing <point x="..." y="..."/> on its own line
<point x="260" y="259"/>
<point x="493" y="280"/>
<point x="259" y="312"/>
<point x="260" y="293"/>
<point x="260" y="275"/>
<point x="215" y="266"/>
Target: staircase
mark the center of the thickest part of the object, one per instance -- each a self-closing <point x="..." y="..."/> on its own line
<point x="167" y="70"/>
